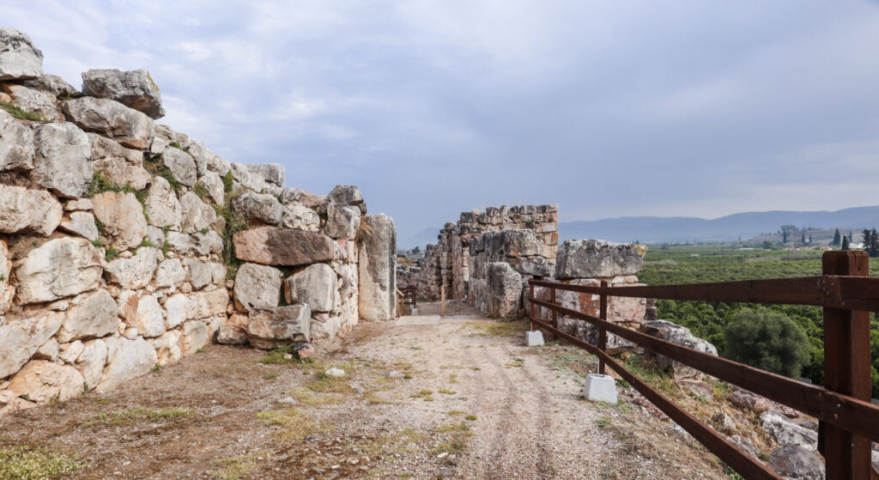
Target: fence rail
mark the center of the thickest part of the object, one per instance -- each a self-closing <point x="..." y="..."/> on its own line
<point x="847" y="420"/>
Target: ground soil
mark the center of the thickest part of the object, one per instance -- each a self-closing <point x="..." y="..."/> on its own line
<point x="459" y="397"/>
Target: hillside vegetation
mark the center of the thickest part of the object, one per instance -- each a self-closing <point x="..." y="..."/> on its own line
<point x="678" y="264"/>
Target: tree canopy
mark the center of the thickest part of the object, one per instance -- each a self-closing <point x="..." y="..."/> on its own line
<point x="768" y="340"/>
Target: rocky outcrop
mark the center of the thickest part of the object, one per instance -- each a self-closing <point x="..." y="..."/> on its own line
<point x="279" y="326"/>
<point x="283" y="247"/>
<point x="19" y="59"/>
<point x="378" y="259"/>
<point x="678" y="335"/>
<point x="133" y="89"/>
<point x="795" y="462"/>
<point x="786" y="432"/>
<point x="598" y="259"/>
<point x="34" y="101"/>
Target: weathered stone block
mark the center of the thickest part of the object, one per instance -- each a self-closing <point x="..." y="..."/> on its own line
<point x="279" y="326"/>
<point x="134" y="89"/>
<point x="123" y="219"/>
<point x="24" y="210"/>
<point x="257" y="287"/>
<point x="598" y="259"/>
<point x="314" y="285"/>
<point x="62" y="267"/>
<point x="19" y="59"/>
<point x="283" y="247"/>
<point x="378" y="259"/>
<point x="61" y="160"/>
<point x="125" y="125"/>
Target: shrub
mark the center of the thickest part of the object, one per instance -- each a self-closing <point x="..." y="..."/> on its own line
<point x="768" y="340"/>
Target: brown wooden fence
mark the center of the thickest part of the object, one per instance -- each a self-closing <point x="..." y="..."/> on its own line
<point x="848" y="422"/>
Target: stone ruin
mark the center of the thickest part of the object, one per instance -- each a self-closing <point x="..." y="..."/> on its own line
<point x="125" y="244"/>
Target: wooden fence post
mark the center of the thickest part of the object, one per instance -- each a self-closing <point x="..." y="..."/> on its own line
<point x="555" y="315"/>
<point x="602" y="333"/>
<point x="846" y="370"/>
<point x="443" y="301"/>
<point x="530" y="296"/>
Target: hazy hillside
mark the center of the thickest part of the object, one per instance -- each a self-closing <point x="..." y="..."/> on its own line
<point x="731" y="227"/>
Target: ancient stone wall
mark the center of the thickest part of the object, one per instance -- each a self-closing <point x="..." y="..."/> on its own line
<point x="125" y="244"/>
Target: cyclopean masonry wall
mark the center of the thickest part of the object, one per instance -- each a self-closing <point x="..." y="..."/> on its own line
<point x="448" y="263"/>
<point x="125" y="245"/>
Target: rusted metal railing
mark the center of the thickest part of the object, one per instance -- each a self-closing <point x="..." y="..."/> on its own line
<point x="848" y="422"/>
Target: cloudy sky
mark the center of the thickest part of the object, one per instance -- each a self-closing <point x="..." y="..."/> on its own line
<point x="436" y="107"/>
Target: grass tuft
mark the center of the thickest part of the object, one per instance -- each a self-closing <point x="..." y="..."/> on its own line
<point x="22" y="463"/>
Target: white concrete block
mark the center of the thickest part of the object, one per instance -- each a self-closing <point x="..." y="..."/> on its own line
<point x="600" y="388"/>
<point x="534" y="339"/>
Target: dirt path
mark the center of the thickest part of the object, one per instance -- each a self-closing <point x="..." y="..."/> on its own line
<point x="457" y="398"/>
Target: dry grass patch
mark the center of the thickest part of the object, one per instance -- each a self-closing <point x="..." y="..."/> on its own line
<point x="237" y="467"/>
<point x="134" y="415"/>
<point x="295" y="424"/>
<point x="22" y="463"/>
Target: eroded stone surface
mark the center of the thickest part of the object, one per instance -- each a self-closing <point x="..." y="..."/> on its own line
<point x="123" y="219"/>
<point x="16" y="144"/>
<point x="162" y="205"/>
<point x="24" y="210"/>
<point x="127" y="359"/>
<point x="41" y="381"/>
<point x="19" y="58"/>
<point x="279" y="326"/>
<point x="122" y="166"/>
<point x="22" y="336"/>
<point x="62" y="267"/>
<point x="125" y="125"/>
<point x="315" y="286"/>
<point x="598" y="258"/>
<point x="94" y="315"/>
<point x="34" y="101"/>
<point x="257" y="287"/>
<point x="135" y="272"/>
<point x="283" y="247"/>
<point x="378" y="258"/>
<point x="134" y="89"/>
<point x="61" y="159"/>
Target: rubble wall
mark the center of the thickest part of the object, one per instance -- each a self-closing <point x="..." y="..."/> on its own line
<point x="125" y="244"/>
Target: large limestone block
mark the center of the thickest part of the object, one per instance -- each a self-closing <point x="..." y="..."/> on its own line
<point x="196" y="335"/>
<point x="82" y="224"/>
<point x="342" y="222"/>
<point x="22" y="336"/>
<point x="24" y="210"/>
<point x="130" y="359"/>
<point x="348" y="195"/>
<point x="125" y="125"/>
<point x="300" y="217"/>
<point x="135" y="272"/>
<point x="200" y="273"/>
<point x="34" y="101"/>
<point x="91" y="316"/>
<point x="598" y="258"/>
<point x="16" y="144"/>
<point x="214" y="185"/>
<point x="537" y="266"/>
<point x="19" y="59"/>
<point x="211" y="303"/>
<point x="168" y="347"/>
<point x="197" y="216"/>
<point x="52" y="84"/>
<point x="43" y="381"/>
<point x="378" y="259"/>
<point x="181" y="165"/>
<point x="521" y="243"/>
<point x="162" y="205"/>
<point x="61" y="160"/>
<point x="262" y="208"/>
<point x="134" y="89"/>
<point x="504" y="290"/>
<point x="267" y="178"/>
<point x="272" y="173"/>
<point x="149" y="318"/>
<point x="208" y="161"/>
<point x="679" y="335"/>
<point x="297" y="196"/>
<point x="257" y="287"/>
<point x="122" y="166"/>
<point x="170" y="273"/>
<point x="178" y="309"/>
<point x="91" y="361"/>
<point x="62" y="267"/>
<point x="314" y="285"/>
<point x="123" y="219"/>
<point x="234" y="330"/>
<point x="207" y="243"/>
<point x="279" y="326"/>
<point x="283" y="247"/>
<point x="6" y="291"/>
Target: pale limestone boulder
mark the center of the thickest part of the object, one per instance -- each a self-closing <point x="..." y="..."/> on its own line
<point x="43" y="381"/>
<point x="155" y="236"/>
<point x="283" y="247"/>
<point x="19" y="59"/>
<point x="82" y="224"/>
<point x="79" y="205"/>
<point x="211" y="303"/>
<point x="200" y="274"/>
<point x="135" y="89"/>
<point x="234" y="330"/>
<point x="179" y="242"/>
<point x="255" y="207"/>
<point x="265" y="178"/>
<point x="786" y="432"/>
<point x="598" y="258"/>
<point x="162" y="205"/>
<point x="214" y="185"/>
<point x="537" y="266"/>
<point x="348" y="195"/>
<point x="378" y="259"/>
<point x="299" y="217"/>
<point x="62" y="267"/>
<point x="521" y="243"/>
<point x="795" y="462"/>
<point x="149" y="319"/>
<point x="504" y="290"/>
<point x="34" y="101"/>
<point x="257" y="287"/>
<point x="208" y="161"/>
<point x="23" y="210"/>
<point x="207" y="243"/>
<point x="178" y="309"/>
<point x="122" y="166"/>
<point x="53" y="85"/>
<point x="342" y="222"/>
<point x="135" y="272"/>
<point x="196" y="335"/>
<point x="168" y="347"/>
<point x="123" y="219"/>
<point x="679" y="335"/>
<point x="316" y="286"/>
<point x="91" y="361"/>
<point x="62" y="159"/>
<point x="327" y="329"/>
<point x="91" y="316"/>
<point x="21" y="337"/>
<point x="127" y="126"/>
<point x="70" y="352"/>
<point x="170" y="274"/>
<point x="272" y="173"/>
<point x="49" y="351"/>
<point x="218" y="273"/>
<point x="181" y="165"/>
<point x="129" y="359"/>
<point x="279" y="326"/>
<point x="16" y="144"/>
<point x="196" y="215"/>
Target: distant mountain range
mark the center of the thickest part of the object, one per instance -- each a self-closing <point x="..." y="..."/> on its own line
<point x="728" y="228"/>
